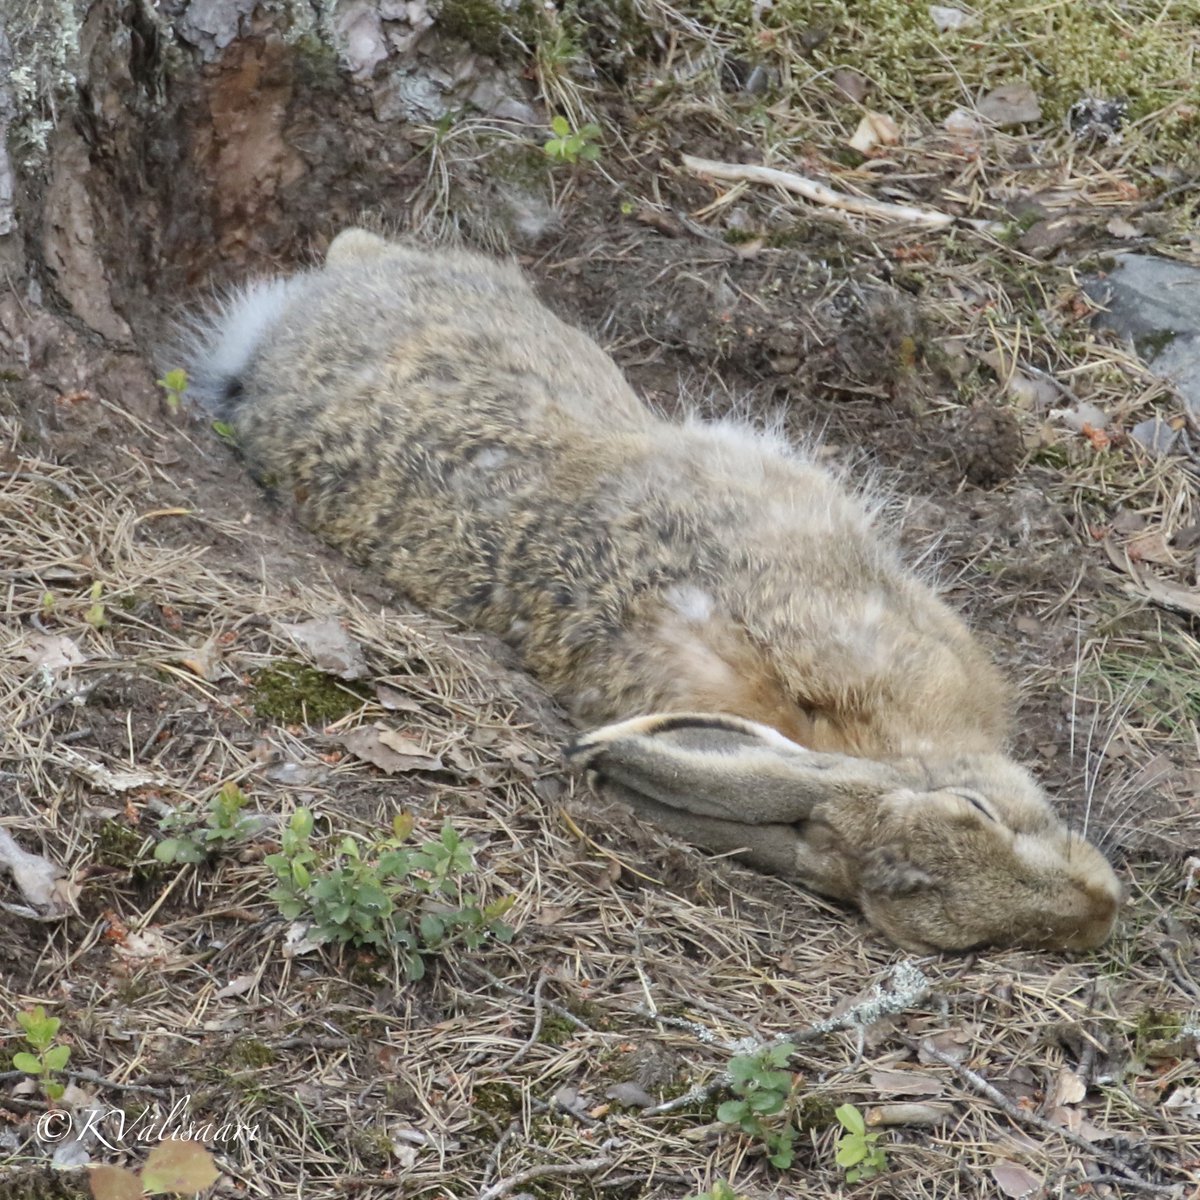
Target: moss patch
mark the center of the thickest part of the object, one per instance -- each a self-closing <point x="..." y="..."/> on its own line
<point x="294" y="694"/>
<point x="1065" y="51"/>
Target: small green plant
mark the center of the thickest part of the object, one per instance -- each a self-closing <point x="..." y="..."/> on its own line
<point x="226" y="825"/>
<point x="721" y="1190"/>
<point x="387" y="896"/>
<point x="572" y="145"/>
<point x="764" y="1090"/>
<point x="857" y="1151"/>
<point x="225" y="432"/>
<point x="96" y="615"/>
<point x="175" y="384"/>
<point x="46" y="1056"/>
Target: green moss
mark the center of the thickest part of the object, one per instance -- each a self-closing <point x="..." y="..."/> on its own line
<point x="816" y="1112"/>
<point x="248" y="1052"/>
<point x="293" y="694"/>
<point x="556" y="1031"/>
<point x="488" y="28"/>
<point x="117" y="845"/>
<point x="1151" y="345"/>
<point x="500" y="1101"/>
<point x="373" y="1146"/>
<point x="1064" y="51"/>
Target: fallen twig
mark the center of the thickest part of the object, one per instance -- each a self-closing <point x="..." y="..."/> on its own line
<point x="1032" y="1120"/>
<point x="588" y="1166"/>
<point x="908" y="985"/>
<point x="820" y="193"/>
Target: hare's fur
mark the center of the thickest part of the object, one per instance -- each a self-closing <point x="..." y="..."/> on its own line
<point x="433" y="419"/>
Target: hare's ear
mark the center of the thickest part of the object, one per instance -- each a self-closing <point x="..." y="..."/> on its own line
<point x="779" y="849"/>
<point x="723" y="767"/>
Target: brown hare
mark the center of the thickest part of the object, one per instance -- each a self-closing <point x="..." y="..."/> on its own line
<point x="437" y="422"/>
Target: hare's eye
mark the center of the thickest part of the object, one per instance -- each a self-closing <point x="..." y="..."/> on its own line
<point x="976" y="801"/>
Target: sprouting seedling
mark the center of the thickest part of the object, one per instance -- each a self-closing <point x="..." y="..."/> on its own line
<point x="571" y="145"/>
<point x="96" y="616"/>
<point x="857" y="1151"/>
<point x="48" y="1056"/>
<point x="175" y="384"/>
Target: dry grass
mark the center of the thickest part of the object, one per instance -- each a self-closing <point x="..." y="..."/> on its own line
<point x="635" y="960"/>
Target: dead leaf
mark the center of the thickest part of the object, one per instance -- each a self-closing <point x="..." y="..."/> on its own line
<point x="239" y="985"/>
<point x="179" y="1166"/>
<point x="328" y="644"/>
<point x="1185" y="1101"/>
<point x="1147" y="584"/>
<point x="52" y="653"/>
<point x="391" y="752"/>
<point x="396" y="701"/>
<point x="1120" y="228"/>
<point x="963" y="124"/>
<point x="1084" y="415"/>
<point x="949" y="20"/>
<point x="875" y="129"/>
<point x="1150" y="546"/>
<point x="114" y="1183"/>
<point x="1014" y="1180"/>
<point x="630" y="1095"/>
<point x="906" y="1083"/>
<point x="205" y="662"/>
<point x="108" y="779"/>
<point x="1011" y="104"/>
<point x="41" y="883"/>
<point x="142" y="946"/>
<point x="1068" y="1089"/>
<point x="939" y="1047"/>
<point x="850" y="83"/>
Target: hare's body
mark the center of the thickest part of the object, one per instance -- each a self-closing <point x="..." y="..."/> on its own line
<point x="435" y="421"/>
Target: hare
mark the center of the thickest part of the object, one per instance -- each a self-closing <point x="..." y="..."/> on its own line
<point x="437" y="422"/>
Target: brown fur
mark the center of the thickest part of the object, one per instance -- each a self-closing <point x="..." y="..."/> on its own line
<point x="438" y="423"/>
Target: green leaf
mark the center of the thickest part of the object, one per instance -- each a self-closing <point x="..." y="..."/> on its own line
<point x="766" y="1102"/>
<point x="432" y="928"/>
<point x="783" y="1158"/>
<point x="54" y="1091"/>
<point x="561" y="126"/>
<point x="56" y="1057"/>
<point x="29" y="1063"/>
<point x="850" y="1152"/>
<point x="167" y="850"/>
<point x="780" y="1055"/>
<point x="742" y="1069"/>
<point x="732" y="1111"/>
<point x="850" y="1118"/>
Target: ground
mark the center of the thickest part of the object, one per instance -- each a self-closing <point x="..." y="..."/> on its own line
<point x="148" y="666"/>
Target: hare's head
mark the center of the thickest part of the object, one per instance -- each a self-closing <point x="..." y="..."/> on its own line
<point x="969" y="853"/>
<point x="946" y="856"/>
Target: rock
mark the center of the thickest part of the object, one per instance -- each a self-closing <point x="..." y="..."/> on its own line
<point x="1155" y="303"/>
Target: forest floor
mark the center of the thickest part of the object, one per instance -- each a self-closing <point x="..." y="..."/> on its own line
<point x="162" y="677"/>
